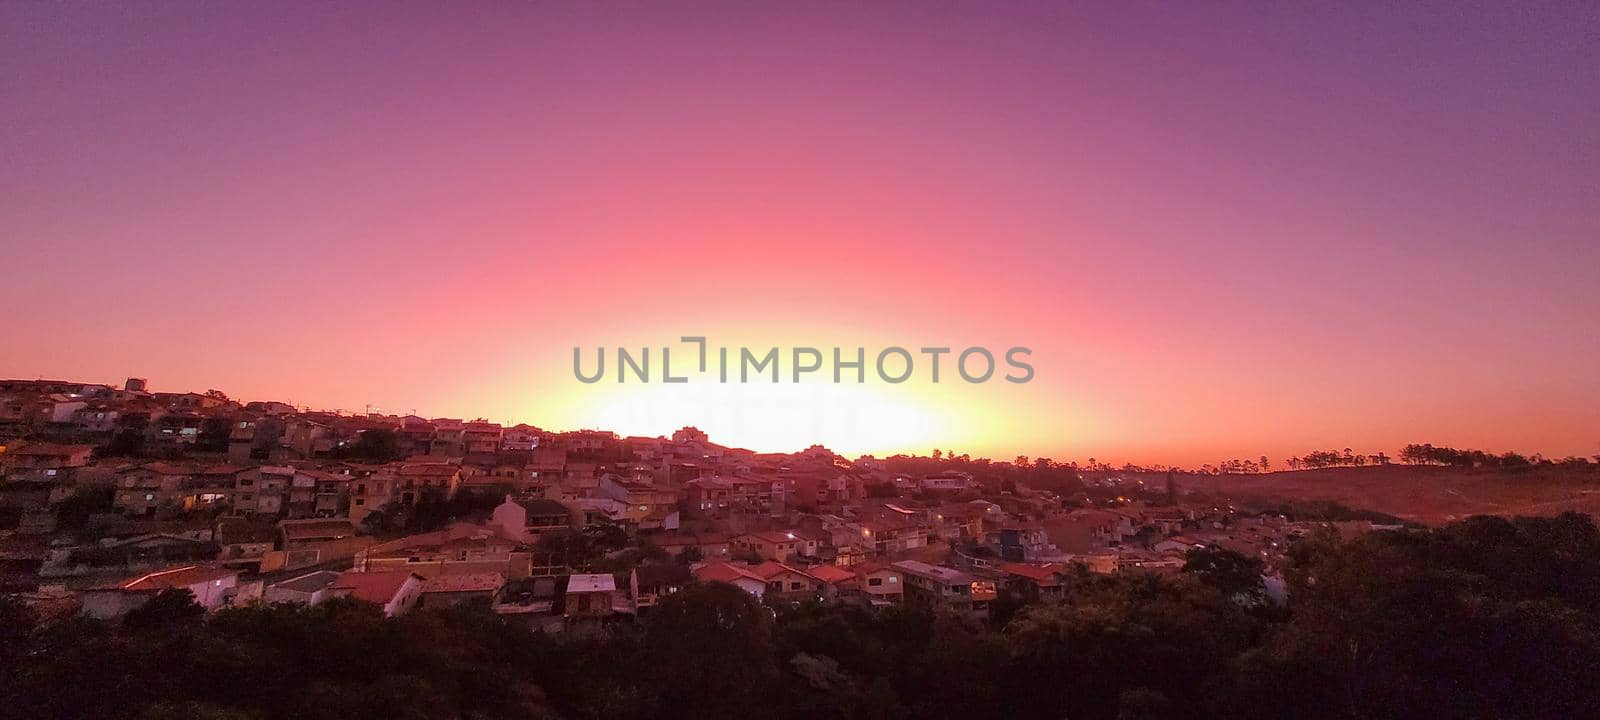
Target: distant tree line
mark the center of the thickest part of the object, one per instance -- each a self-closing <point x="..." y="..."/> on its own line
<point x="1428" y="454"/>
<point x="1485" y="618"/>
<point x="1334" y="458"/>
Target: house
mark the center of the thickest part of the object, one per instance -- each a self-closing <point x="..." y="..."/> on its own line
<point x="396" y="591"/>
<point x="879" y="584"/>
<point x="190" y="400"/>
<point x="308" y="589"/>
<point x="891" y="529"/>
<point x="787" y="584"/>
<point x="308" y="533"/>
<point x="480" y="437"/>
<point x="462" y="548"/>
<point x="521" y="438"/>
<point x="546" y="468"/>
<point x="371" y="492"/>
<point x="650" y="583"/>
<point x="938" y="586"/>
<point x="243" y="542"/>
<point x="527" y="518"/>
<point x="210" y="486"/>
<point x="640" y="500"/>
<point x="415" y="435"/>
<point x="449" y="438"/>
<point x="592" y="596"/>
<point x="213" y="587"/>
<point x="735" y="574"/>
<point x="144" y="489"/>
<point x="1034" y="583"/>
<point x="779" y="546"/>
<point x="303" y="543"/>
<point x="263" y="490"/>
<point x="740" y="493"/>
<point x="704" y="546"/>
<point x="48" y="456"/>
<point x="821" y="488"/>
<point x="964" y="521"/>
<point x="947" y="481"/>
<point x="532" y="598"/>
<point x="462" y="588"/>
<point x="833" y="579"/>
<point x="301" y="439"/>
<point x="132" y="555"/>
<point x="415" y="478"/>
<point x="174" y="430"/>
<point x="1086" y="530"/>
<point x="96" y="418"/>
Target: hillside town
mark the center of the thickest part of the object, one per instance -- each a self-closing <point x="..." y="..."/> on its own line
<point x="114" y="494"/>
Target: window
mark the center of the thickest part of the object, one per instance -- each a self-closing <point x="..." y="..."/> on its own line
<point x="874" y="582"/>
<point x="797" y="585"/>
<point x="360" y="502"/>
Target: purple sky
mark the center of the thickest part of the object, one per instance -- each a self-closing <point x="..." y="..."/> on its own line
<point x="1226" y="228"/>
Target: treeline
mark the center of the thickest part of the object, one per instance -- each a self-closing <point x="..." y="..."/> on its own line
<point x="1334" y="458"/>
<point x="1427" y="454"/>
<point x="1043" y="474"/>
<point x="1486" y="618"/>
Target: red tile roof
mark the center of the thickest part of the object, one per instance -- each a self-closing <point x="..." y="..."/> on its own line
<point x="177" y="577"/>
<point x="831" y="574"/>
<point x="375" y="587"/>
<point x="725" y="572"/>
<point x="469" y="582"/>
<point x="771" y="569"/>
<point x="1043" y="574"/>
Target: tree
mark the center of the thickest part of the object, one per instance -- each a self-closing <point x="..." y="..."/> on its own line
<point x="378" y="445"/>
<point x="16" y="624"/>
<point x="214" y="432"/>
<point x="128" y="439"/>
<point x="73" y="512"/>
<point x="710" y="652"/>
<point x="170" y="606"/>
<point x="1234" y="574"/>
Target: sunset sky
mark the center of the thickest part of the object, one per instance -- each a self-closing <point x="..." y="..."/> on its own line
<point x="1224" y="229"/>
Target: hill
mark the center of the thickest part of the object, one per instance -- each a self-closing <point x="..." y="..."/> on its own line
<point x="1425" y="494"/>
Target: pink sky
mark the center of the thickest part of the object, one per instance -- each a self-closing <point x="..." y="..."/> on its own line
<point x="1254" y="229"/>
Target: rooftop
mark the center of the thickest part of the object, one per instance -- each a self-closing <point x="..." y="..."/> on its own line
<point x="466" y="582"/>
<point x="309" y="582"/>
<point x="178" y="577"/>
<point x="374" y="587"/>
<point x="591" y="583"/>
<point x="937" y="572"/>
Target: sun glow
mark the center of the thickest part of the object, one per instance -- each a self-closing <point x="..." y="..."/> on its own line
<point x="849" y="419"/>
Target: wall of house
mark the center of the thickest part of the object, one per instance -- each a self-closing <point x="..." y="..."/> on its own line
<point x="410" y="593"/>
<point x="111" y="604"/>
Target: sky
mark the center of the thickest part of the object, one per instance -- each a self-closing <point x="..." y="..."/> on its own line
<point x="1223" y="229"/>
